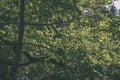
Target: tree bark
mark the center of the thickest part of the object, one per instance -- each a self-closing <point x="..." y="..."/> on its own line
<point x="15" y="67"/>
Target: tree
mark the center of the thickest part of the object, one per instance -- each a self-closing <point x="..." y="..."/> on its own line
<point x="57" y="40"/>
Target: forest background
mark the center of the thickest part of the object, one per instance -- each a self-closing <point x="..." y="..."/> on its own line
<point x="59" y="40"/>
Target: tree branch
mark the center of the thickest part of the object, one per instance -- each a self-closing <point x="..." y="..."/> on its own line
<point x="13" y="43"/>
<point x="42" y="59"/>
<point x="25" y="64"/>
<point x="49" y="24"/>
<point x="33" y="59"/>
<point x="35" y="45"/>
<point x="9" y="63"/>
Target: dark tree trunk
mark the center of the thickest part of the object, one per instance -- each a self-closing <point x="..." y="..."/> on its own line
<point x="15" y="67"/>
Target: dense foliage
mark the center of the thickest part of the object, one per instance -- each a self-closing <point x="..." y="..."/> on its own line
<point x="62" y="40"/>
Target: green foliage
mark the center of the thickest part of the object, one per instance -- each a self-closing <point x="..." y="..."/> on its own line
<point x="76" y="45"/>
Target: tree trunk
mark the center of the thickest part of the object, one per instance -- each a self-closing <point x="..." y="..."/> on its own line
<point x="15" y="67"/>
